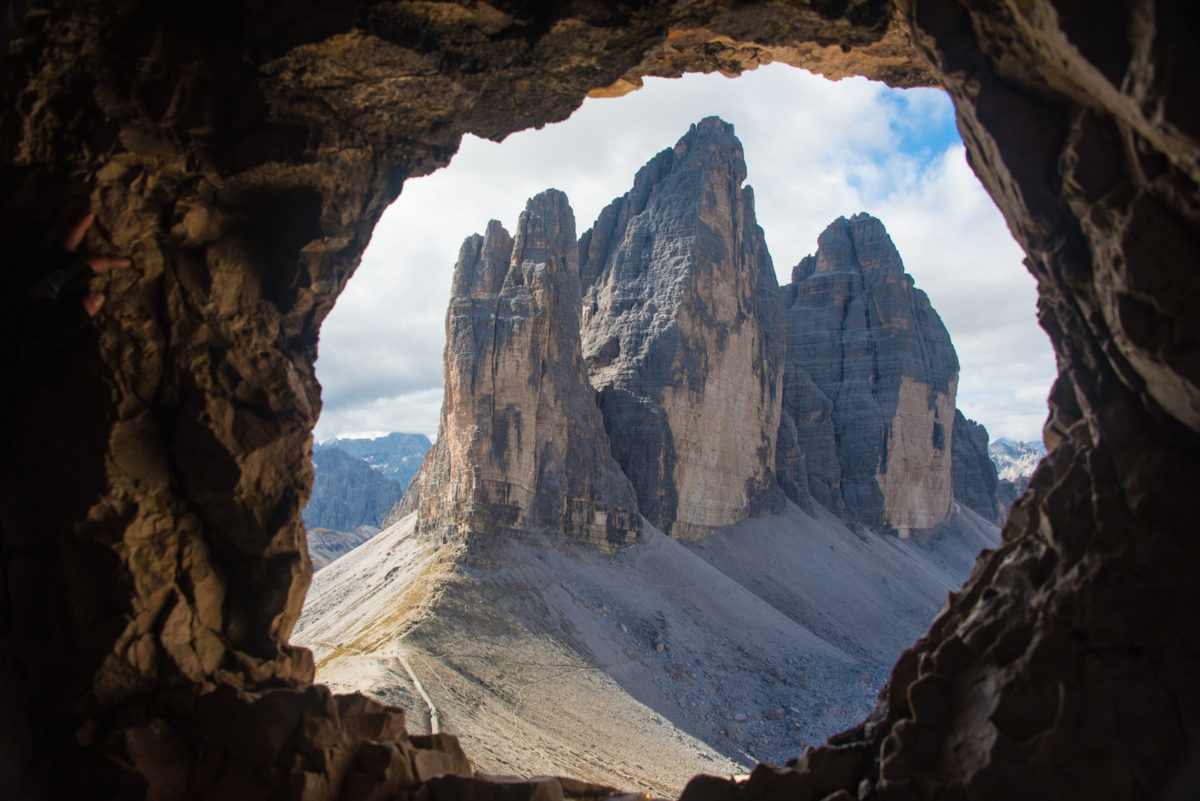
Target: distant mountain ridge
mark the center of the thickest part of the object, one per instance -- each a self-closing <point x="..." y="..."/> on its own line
<point x="1015" y="460"/>
<point x="397" y="455"/>
<point x="348" y="492"/>
<point x="356" y="481"/>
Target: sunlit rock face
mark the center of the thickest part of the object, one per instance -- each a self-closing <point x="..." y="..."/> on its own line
<point x="870" y="381"/>
<point x="521" y="446"/>
<point x="682" y="335"/>
<point x="241" y="157"/>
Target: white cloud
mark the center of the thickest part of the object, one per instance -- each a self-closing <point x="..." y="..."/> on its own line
<point x="411" y="412"/>
<point x="815" y="150"/>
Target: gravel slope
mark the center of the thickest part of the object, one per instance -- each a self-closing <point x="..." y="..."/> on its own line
<point x="666" y="659"/>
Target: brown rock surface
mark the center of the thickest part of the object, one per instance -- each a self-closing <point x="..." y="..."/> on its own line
<point x="242" y="154"/>
<point x="521" y="445"/>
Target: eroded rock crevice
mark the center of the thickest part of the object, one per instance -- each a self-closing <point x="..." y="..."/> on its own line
<point x="154" y="472"/>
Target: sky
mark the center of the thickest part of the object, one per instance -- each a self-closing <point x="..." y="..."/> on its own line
<point x="815" y="150"/>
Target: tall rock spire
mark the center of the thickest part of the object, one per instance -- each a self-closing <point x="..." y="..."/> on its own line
<point x="683" y="336"/>
<point x="521" y="445"/>
<point x="870" y="381"/>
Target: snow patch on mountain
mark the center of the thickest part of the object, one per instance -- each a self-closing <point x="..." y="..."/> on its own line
<point x="1015" y="460"/>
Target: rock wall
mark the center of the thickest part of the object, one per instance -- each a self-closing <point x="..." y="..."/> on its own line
<point x="242" y="155"/>
<point x="870" y="381"/>
<point x="521" y="446"/>
<point x="682" y="335"/>
<point x="976" y="484"/>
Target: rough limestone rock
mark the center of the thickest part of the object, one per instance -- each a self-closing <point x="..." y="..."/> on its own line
<point x="976" y="484"/>
<point x="521" y="446"/>
<point x="682" y="335"/>
<point x="870" y="381"/>
<point x="150" y="536"/>
<point x="348" y="493"/>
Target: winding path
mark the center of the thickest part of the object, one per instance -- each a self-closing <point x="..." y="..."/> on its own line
<point x="433" y="713"/>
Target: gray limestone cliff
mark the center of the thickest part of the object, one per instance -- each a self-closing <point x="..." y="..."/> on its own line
<point x="683" y="336"/>
<point x="976" y="484"/>
<point x="870" y="382"/>
<point x="521" y="445"/>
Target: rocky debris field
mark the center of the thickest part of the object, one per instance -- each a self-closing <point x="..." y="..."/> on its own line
<point x="667" y="659"/>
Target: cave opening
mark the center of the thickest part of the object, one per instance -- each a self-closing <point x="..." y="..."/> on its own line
<point x="840" y="148"/>
<point x="151" y="585"/>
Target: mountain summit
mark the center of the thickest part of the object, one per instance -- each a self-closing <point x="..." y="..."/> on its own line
<point x="870" y="382"/>
<point x="657" y="368"/>
<point x="521" y="446"/>
<point x="683" y="336"/>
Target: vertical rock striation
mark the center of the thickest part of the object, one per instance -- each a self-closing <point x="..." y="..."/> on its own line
<point x="521" y="444"/>
<point x="683" y="337"/>
<point x="870" y="381"/>
<point x="976" y="484"/>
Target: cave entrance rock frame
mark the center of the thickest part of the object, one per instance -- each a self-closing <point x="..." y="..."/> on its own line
<point x="151" y="547"/>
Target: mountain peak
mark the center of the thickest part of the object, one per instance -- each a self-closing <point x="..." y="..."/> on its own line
<point x="871" y="381"/>
<point x="521" y="447"/>
<point x="682" y="335"/>
<point x="855" y="244"/>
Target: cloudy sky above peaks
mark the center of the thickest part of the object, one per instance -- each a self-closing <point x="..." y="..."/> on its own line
<point x="815" y="150"/>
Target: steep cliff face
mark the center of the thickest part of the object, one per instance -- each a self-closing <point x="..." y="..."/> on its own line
<point x="682" y="335"/>
<point x="521" y="444"/>
<point x="870" y="381"/>
<point x="976" y="484"/>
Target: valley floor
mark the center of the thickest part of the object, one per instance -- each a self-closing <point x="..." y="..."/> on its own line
<point x="667" y="659"/>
